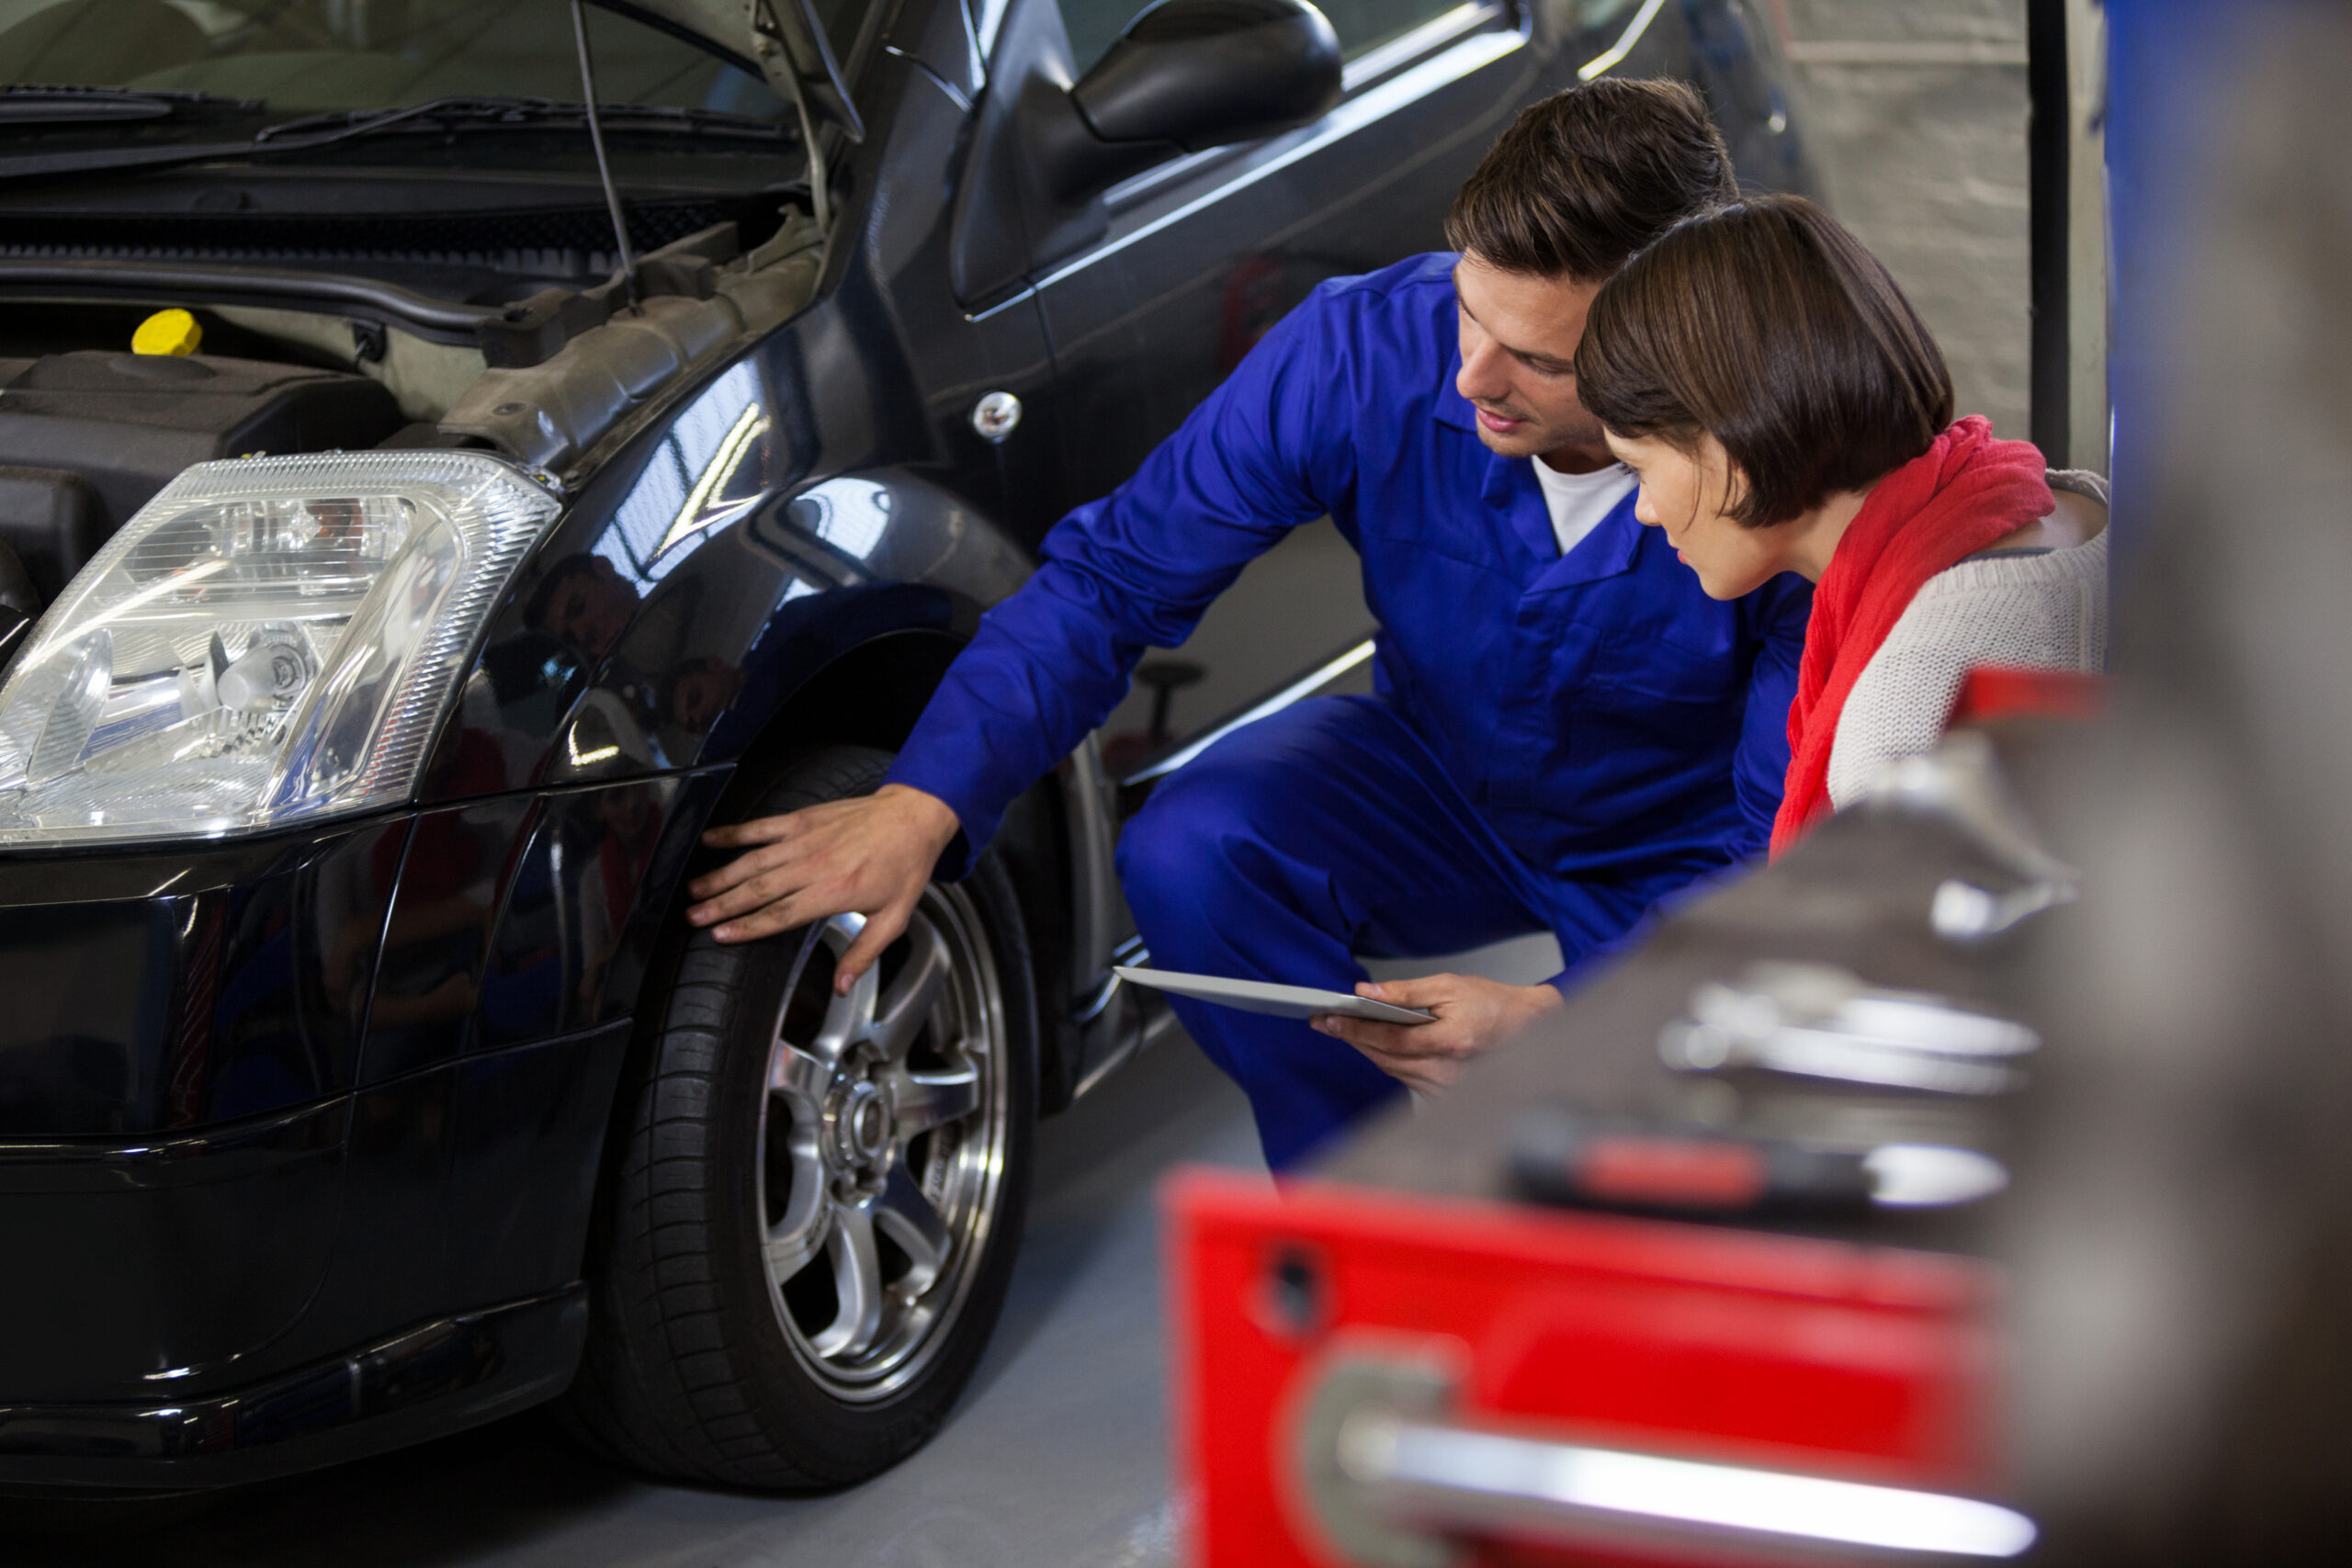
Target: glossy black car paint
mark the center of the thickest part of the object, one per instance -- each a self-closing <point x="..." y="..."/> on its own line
<point x="300" y="1136"/>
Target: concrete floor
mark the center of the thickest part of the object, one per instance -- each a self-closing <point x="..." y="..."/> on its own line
<point x="1058" y="1453"/>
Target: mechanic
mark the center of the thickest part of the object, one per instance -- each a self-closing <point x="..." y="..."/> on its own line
<point x="1565" y="728"/>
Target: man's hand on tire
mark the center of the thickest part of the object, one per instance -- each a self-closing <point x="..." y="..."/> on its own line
<point x="871" y="855"/>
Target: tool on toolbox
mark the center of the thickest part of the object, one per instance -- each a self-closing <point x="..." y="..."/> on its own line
<point x="1557" y="1157"/>
<point x="1959" y="784"/>
<point x="1818" y="1020"/>
<point x="1696" y="1277"/>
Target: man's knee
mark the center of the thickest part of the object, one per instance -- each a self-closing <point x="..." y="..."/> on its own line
<point x="1182" y="843"/>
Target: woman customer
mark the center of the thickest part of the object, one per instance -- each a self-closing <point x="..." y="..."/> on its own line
<point x="1786" y="410"/>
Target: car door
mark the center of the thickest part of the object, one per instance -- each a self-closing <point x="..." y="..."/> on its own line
<point x="1201" y="255"/>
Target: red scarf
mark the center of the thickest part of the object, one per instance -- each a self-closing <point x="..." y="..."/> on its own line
<point x="1961" y="494"/>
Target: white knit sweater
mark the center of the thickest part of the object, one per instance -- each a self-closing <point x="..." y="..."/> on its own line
<point x="2043" y="611"/>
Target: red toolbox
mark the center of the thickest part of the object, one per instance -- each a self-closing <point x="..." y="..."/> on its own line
<point x="1705" y="1272"/>
<point x="1362" y="1375"/>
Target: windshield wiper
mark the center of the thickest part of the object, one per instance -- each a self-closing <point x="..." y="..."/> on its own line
<point x="32" y="104"/>
<point x="492" y="114"/>
<point x="310" y="131"/>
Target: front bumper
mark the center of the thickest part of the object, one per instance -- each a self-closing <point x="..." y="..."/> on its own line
<point x="264" y="1103"/>
<point x="154" y="991"/>
<point x="439" y="1377"/>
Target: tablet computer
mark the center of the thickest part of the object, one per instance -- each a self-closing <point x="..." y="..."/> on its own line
<point x="1282" y="1001"/>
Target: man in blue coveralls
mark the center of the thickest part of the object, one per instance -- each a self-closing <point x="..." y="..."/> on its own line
<point x="1566" y="729"/>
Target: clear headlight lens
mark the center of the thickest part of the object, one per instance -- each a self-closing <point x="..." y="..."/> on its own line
<point x="268" y="640"/>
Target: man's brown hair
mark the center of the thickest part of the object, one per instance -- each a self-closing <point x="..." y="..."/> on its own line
<point x="1586" y="177"/>
<point x="1768" y="326"/>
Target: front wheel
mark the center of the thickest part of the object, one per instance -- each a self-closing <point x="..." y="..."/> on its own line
<point x="813" y="1216"/>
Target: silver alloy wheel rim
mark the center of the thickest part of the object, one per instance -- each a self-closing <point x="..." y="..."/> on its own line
<point x="882" y="1136"/>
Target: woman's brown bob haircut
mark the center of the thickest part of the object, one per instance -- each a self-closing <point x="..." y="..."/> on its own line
<point x="1584" y="178"/>
<point x="1768" y="326"/>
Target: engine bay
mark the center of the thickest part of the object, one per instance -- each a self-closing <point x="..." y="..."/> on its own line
<point x="285" y="362"/>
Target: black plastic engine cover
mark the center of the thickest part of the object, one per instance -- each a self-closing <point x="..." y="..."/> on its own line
<point x="51" y="521"/>
<point x="128" y="422"/>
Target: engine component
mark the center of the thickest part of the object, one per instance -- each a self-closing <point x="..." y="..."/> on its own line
<point x="130" y="423"/>
<point x="546" y="404"/>
<point x="172" y="331"/>
<point x="53" y="522"/>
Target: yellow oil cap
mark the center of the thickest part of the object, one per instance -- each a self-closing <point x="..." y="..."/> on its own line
<point x="167" y="332"/>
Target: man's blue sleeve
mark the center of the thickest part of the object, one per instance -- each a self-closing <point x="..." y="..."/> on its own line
<point x="1760" y="765"/>
<point x="1267" y="451"/>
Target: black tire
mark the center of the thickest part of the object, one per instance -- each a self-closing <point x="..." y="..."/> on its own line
<point x="699" y="1363"/>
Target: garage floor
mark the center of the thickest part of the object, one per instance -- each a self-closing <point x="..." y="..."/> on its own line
<point x="1058" y="1455"/>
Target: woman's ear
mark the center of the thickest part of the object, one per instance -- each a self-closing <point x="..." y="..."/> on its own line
<point x="1722" y="483"/>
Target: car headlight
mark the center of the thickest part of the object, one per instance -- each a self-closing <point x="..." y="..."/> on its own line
<point x="268" y="640"/>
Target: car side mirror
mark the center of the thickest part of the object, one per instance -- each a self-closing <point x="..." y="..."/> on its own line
<point x="1187" y="75"/>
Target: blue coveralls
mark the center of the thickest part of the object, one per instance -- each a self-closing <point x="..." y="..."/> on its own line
<point x="1555" y="741"/>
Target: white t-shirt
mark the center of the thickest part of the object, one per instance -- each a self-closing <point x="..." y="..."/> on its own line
<point x="1578" y="501"/>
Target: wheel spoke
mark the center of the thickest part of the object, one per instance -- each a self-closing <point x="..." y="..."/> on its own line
<point x="796" y="1089"/>
<point x="923" y="1100"/>
<point x="798" y="1075"/>
<point x="857" y="1285"/>
<point x="913" y="995"/>
<point x="851" y="1018"/>
<point x="794" y="1241"/>
<point x="911" y="1221"/>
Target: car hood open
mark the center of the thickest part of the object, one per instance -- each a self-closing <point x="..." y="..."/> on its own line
<point x="782" y="38"/>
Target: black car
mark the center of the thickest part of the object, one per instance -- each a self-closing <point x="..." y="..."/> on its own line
<point x="375" y="667"/>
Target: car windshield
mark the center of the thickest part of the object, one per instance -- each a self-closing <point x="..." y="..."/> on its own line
<point x="320" y="55"/>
